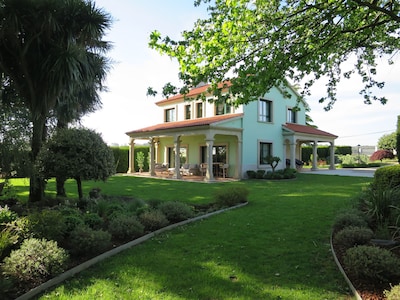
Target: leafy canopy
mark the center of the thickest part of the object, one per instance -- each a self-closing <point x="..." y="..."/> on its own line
<point x="387" y="141"/>
<point x="260" y="44"/>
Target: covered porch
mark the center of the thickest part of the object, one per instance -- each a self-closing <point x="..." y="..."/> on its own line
<point x="295" y="135"/>
<point x="203" y="147"/>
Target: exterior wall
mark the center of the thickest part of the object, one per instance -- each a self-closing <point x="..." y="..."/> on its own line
<point x="255" y="131"/>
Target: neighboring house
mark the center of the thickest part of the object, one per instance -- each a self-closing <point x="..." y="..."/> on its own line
<point x="217" y="136"/>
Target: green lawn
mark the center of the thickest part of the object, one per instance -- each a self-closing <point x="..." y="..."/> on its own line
<point x="276" y="247"/>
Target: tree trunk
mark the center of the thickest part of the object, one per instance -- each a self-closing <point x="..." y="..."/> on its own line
<point x="79" y="183"/>
<point x="36" y="184"/>
<point x="60" y="187"/>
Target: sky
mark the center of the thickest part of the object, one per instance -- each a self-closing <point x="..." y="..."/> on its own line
<point x="137" y="67"/>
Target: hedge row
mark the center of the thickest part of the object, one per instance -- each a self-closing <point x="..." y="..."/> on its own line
<point x="323" y="152"/>
<point x="121" y="157"/>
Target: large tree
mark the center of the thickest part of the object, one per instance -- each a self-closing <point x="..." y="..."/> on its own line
<point x="262" y="43"/>
<point x="49" y="50"/>
<point x="387" y="142"/>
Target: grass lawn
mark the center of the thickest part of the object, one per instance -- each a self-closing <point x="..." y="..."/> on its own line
<point x="276" y="247"/>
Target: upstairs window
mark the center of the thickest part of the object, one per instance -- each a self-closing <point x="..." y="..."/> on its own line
<point x="199" y="110"/>
<point x="170" y="115"/>
<point x="222" y="108"/>
<point x="264" y="110"/>
<point x="188" y="112"/>
<point x="291" y="115"/>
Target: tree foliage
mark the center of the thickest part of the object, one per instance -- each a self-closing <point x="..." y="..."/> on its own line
<point x="381" y="154"/>
<point x="51" y="53"/>
<point x="387" y="141"/>
<point x="80" y="154"/>
<point x="398" y="138"/>
<point x="260" y="44"/>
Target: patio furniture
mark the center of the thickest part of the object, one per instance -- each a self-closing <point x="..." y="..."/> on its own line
<point x="203" y="169"/>
<point x="189" y="169"/>
<point x="223" y="170"/>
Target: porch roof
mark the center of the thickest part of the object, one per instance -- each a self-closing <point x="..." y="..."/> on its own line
<point x="186" y="124"/>
<point x="307" y="131"/>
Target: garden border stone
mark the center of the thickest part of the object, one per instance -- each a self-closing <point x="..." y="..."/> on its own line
<point x="71" y="272"/>
<point x="339" y="265"/>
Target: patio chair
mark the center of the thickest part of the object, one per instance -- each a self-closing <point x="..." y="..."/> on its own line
<point x="203" y="169"/>
<point x="189" y="169"/>
<point x="223" y="170"/>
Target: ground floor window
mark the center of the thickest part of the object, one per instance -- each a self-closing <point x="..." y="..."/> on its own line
<point x="265" y="150"/>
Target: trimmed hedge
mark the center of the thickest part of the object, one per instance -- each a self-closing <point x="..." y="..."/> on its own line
<point x="323" y="152"/>
<point x="121" y="158"/>
<point x="387" y="177"/>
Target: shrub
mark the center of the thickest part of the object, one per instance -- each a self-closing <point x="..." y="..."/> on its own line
<point x="381" y="154"/>
<point x="125" y="227"/>
<point x="231" y="197"/>
<point x="393" y="294"/>
<point x="7" y="215"/>
<point x="48" y="224"/>
<point x="153" y="219"/>
<point x="260" y="174"/>
<point x="371" y="263"/>
<point x="251" y="174"/>
<point x="72" y="218"/>
<point x="106" y="208"/>
<point x="153" y="203"/>
<point x="353" y="236"/>
<point x="176" y="211"/>
<point x="93" y="220"/>
<point x="35" y="261"/>
<point x="378" y="203"/>
<point x="7" y="239"/>
<point x="387" y="177"/>
<point x="86" y="241"/>
<point x="347" y="219"/>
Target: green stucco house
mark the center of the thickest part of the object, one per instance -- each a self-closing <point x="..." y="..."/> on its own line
<point x="218" y="139"/>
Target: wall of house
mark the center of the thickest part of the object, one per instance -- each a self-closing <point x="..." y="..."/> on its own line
<point x="255" y="131"/>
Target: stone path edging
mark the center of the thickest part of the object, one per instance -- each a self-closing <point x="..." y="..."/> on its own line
<point x="71" y="272"/>
<point x="339" y="265"/>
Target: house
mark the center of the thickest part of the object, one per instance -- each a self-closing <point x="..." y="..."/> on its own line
<point x="222" y="140"/>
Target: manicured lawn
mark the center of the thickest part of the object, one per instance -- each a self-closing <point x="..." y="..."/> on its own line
<point x="276" y="247"/>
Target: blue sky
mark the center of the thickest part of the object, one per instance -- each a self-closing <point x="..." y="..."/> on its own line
<point x="136" y="67"/>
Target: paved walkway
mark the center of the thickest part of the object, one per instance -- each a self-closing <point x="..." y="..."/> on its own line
<point x="359" y="172"/>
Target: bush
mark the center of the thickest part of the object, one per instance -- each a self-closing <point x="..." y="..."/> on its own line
<point x="251" y="174"/>
<point x="343" y="150"/>
<point x="35" y="261"/>
<point x="353" y="236"/>
<point x="86" y="241"/>
<point x="48" y="224"/>
<point x="371" y="263"/>
<point x="153" y="219"/>
<point x="93" y="220"/>
<point x="125" y="227"/>
<point x="7" y="215"/>
<point x="387" y="177"/>
<point x="176" y="211"/>
<point x="381" y="154"/>
<point x="231" y="197"/>
<point x="154" y="203"/>
<point x="347" y="219"/>
<point x="72" y="218"/>
<point x="260" y="174"/>
<point x="393" y="294"/>
<point x="7" y="239"/>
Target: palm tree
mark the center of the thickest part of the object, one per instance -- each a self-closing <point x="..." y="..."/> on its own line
<point x="48" y="49"/>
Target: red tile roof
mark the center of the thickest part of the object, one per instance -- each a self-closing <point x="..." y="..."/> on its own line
<point x="192" y="93"/>
<point x="186" y="123"/>
<point x="307" y="129"/>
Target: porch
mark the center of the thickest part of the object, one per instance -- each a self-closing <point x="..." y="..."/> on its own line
<point x="187" y="178"/>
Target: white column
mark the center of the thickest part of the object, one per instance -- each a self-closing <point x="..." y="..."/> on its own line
<point x="131" y="168"/>
<point x="332" y="157"/>
<point x="238" y="170"/>
<point x="292" y="155"/>
<point x="315" y="156"/>
<point x="177" y="145"/>
<point x="209" y="172"/>
<point x="151" y="160"/>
